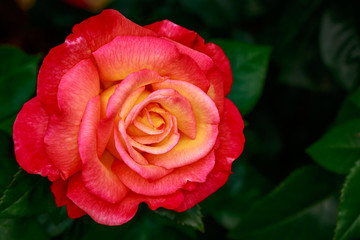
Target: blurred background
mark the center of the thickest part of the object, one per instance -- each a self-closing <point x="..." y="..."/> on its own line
<point x="304" y="57"/>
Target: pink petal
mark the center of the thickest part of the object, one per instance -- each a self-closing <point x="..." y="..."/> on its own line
<point x="128" y="54"/>
<point x="174" y="103"/>
<point x="231" y="145"/>
<point x="196" y="172"/>
<point x="123" y="90"/>
<point x="58" y="61"/>
<point x="97" y="175"/>
<point x="103" y="28"/>
<point x="134" y="159"/>
<point x="28" y="133"/>
<point x="76" y="88"/>
<point x="61" y="145"/>
<point x="119" y="213"/>
<point x="207" y="119"/>
<point x="88" y="36"/>
<point x="192" y="40"/>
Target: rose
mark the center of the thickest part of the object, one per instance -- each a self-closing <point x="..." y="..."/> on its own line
<point x="127" y="114"/>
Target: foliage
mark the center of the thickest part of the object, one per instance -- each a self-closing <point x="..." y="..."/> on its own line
<point x="296" y="82"/>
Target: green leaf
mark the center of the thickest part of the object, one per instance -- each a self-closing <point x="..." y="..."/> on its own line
<point x="339" y="148"/>
<point x="340" y="47"/>
<point x="249" y="65"/>
<point x="302" y="207"/>
<point x="355" y="97"/>
<point x="17" y="79"/>
<point x="24" y="229"/>
<point x="348" y="220"/>
<point x="27" y="195"/>
<point x="348" y="111"/>
<point x="191" y="217"/>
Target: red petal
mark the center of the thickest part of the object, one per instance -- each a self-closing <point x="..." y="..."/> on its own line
<point x="128" y="54"/>
<point x="97" y="174"/>
<point x="28" y="133"/>
<point x="103" y="28"/>
<point x="231" y="145"/>
<point x="73" y="210"/>
<point x="231" y="136"/>
<point x="58" y="188"/>
<point x="196" y="172"/>
<point x="87" y="36"/>
<point x="191" y="39"/>
<point x="119" y="213"/>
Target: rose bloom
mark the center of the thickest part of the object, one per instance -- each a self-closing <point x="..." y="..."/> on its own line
<point x="126" y="114"/>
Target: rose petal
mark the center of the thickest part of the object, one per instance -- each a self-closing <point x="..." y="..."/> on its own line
<point x="28" y="133"/>
<point x="58" y="61"/>
<point x="192" y="40"/>
<point x="61" y="145"/>
<point x="123" y="90"/>
<point x="128" y="54"/>
<point x="87" y="36"/>
<point x="58" y="189"/>
<point x="207" y="119"/>
<point x="77" y="86"/>
<point x="174" y="103"/>
<point x="134" y="159"/>
<point x="196" y="172"/>
<point x="97" y="175"/>
<point x="103" y="28"/>
<point x="115" y="214"/>
<point x="231" y="145"/>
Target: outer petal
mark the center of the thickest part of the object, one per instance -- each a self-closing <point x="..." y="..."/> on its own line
<point x="76" y="88"/>
<point x="115" y="214"/>
<point x="196" y="172"/>
<point x="103" y="28"/>
<point x="58" y="61"/>
<point x="87" y="37"/>
<point x="29" y="131"/>
<point x="191" y="39"/>
<point x="127" y="54"/>
<point x="231" y="136"/>
<point x="58" y="189"/>
<point x="97" y="175"/>
<point x="231" y="145"/>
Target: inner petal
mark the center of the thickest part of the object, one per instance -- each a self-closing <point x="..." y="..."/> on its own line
<point x="170" y="140"/>
<point x="175" y="104"/>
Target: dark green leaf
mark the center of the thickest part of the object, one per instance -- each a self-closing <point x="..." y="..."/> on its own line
<point x="355" y="97"/>
<point x="24" y="229"/>
<point x="339" y="148"/>
<point x="348" y="220"/>
<point x="17" y="79"/>
<point x="348" y="111"/>
<point x="191" y="217"/>
<point x="340" y="47"/>
<point x="302" y="207"/>
<point x="249" y="65"/>
<point x="26" y="195"/>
